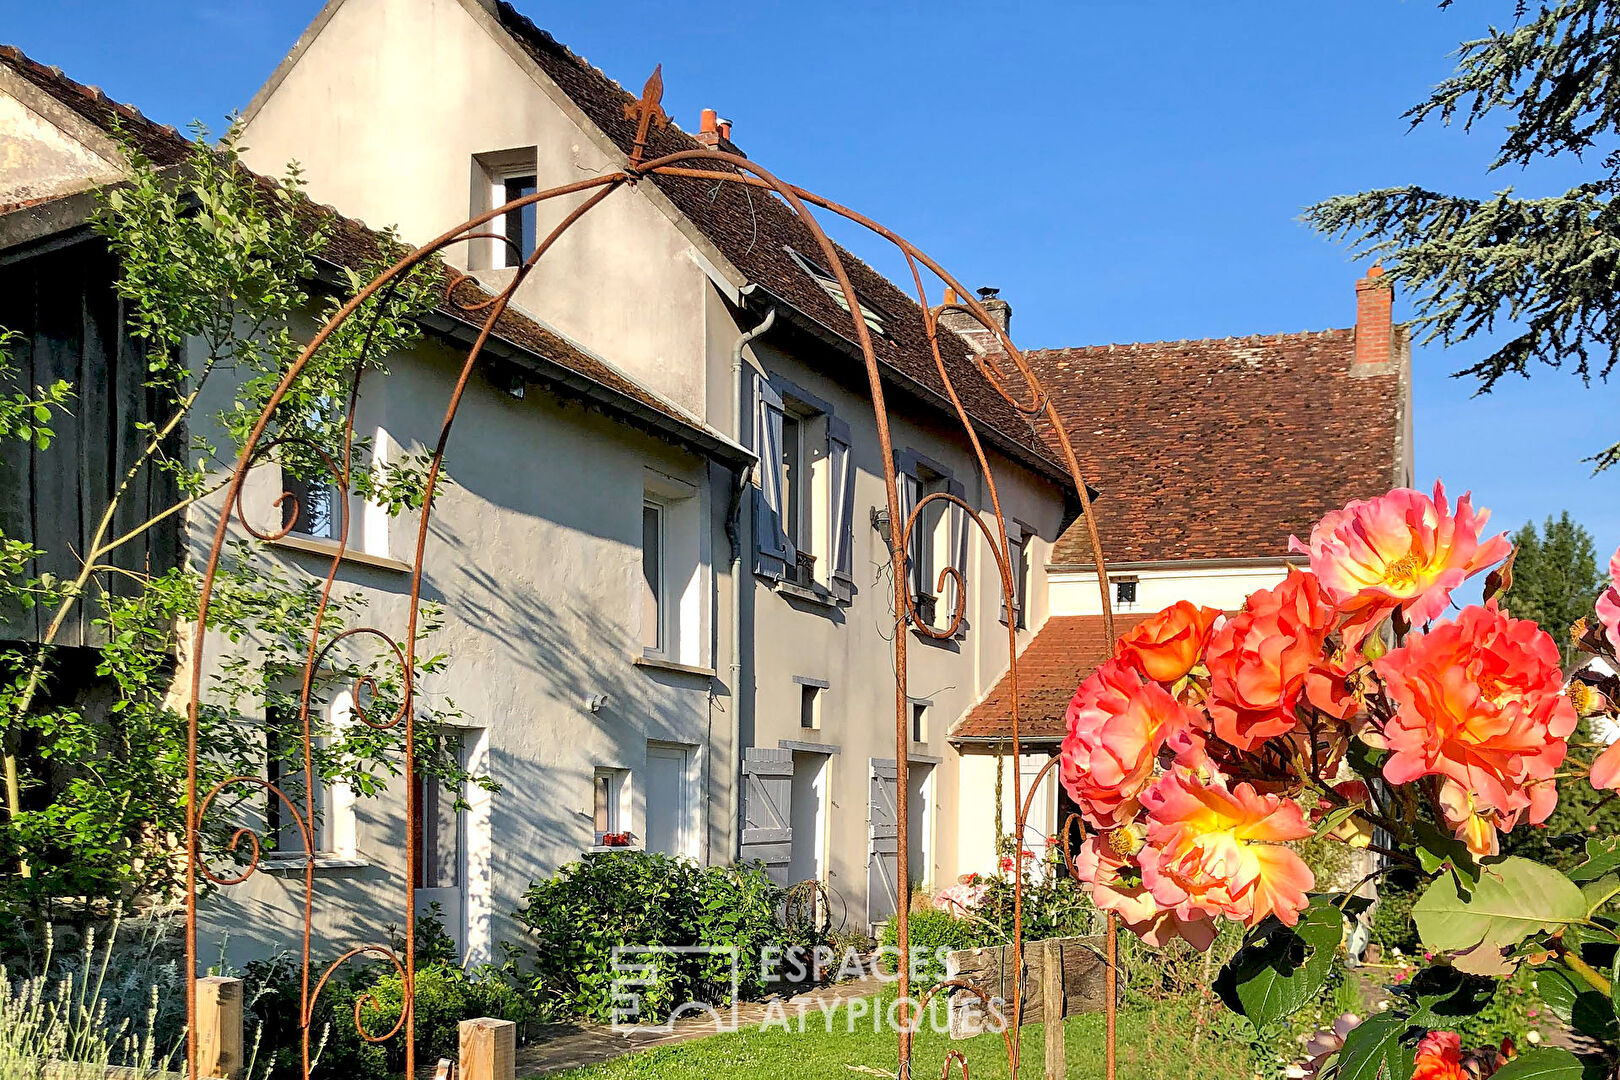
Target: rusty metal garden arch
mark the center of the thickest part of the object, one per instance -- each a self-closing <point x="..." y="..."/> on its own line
<point x="692" y="164"/>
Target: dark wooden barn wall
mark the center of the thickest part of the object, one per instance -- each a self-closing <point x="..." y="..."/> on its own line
<point x="70" y="320"/>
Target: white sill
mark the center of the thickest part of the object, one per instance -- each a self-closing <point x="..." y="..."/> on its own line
<point x="320" y="545"/>
<point x="597" y="849"/>
<point x="322" y="862"/>
<point x="658" y="663"/>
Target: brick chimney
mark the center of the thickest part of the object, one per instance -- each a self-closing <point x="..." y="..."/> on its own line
<point x="970" y="329"/>
<point x="1375" y="328"/>
<point x="709" y="128"/>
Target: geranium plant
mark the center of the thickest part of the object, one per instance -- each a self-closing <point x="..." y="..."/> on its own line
<point x="1355" y="700"/>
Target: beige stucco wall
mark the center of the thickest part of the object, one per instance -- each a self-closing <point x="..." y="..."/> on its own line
<point x="384" y="112"/>
<point x="851" y="648"/>
<point x="45" y="150"/>
<point x="1224" y="587"/>
<point x="534" y="554"/>
<point x="976" y="816"/>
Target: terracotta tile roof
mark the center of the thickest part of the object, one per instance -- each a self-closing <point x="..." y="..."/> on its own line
<point x="1060" y="655"/>
<point x="1221" y="448"/>
<point x="755" y="230"/>
<point x="351" y="243"/>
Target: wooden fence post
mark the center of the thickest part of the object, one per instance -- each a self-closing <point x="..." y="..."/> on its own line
<point x="1052" y="1001"/>
<point x="219" y="1027"/>
<point x="488" y="1049"/>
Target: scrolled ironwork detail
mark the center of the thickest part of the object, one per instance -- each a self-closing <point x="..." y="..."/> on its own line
<point x="710" y="165"/>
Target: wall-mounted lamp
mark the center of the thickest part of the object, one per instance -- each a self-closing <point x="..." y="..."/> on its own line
<point x="595" y="702"/>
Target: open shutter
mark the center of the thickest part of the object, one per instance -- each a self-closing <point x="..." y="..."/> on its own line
<point x="841" y="508"/>
<point x="883" y="842"/>
<point x="910" y="495"/>
<point x="958" y="535"/>
<point x="767" y="833"/>
<point x="773" y="553"/>
<point x="1015" y="560"/>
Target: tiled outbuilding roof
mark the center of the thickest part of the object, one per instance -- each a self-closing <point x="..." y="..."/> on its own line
<point x="1060" y="655"/>
<point x="1222" y="448"/>
<point x="353" y="245"/>
<point x="757" y="232"/>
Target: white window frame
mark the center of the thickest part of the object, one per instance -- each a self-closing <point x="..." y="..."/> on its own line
<point x="690" y="810"/>
<point x="686" y="578"/>
<point x="618" y="805"/>
<point x="335" y="830"/>
<point x="658" y="641"/>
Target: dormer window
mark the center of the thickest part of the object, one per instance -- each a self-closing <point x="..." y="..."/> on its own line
<point x="871" y="313"/>
<point x="499" y="177"/>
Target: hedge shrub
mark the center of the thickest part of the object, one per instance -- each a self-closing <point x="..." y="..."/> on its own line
<point x="607" y="900"/>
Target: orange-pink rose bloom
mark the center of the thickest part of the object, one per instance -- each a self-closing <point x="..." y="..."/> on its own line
<point x="1116" y="886"/>
<point x="1400" y="550"/>
<point x="1164" y="647"/>
<point x="1608" y="605"/>
<point x="1118" y="721"/>
<point x="1259" y="659"/>
<point x="1479" y="701"/>
<point x="1214" y="851"/>
<point x="1439" y="1057"/>
<point x="1606" y="769"/>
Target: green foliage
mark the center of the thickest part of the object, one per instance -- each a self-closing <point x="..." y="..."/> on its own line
<point x="1555" y="578"/>
<point x="445" y="996"/>
<point x="1583" y="815"/>
<point x="216" y="272"/>
<point x="1548" y="266"/>
<point x="27" y="416"/>
<point x="612" y="900"/>
<point x="117" y="1000"/>
<point x="929" y="930"/>
<point x="1514" y="899"/>
<point x="1392" y="925"/>
<point x="1280" y="968"/>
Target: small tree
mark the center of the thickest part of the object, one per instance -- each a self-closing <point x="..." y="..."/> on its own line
<point x="1549" y="269"/>
<point x="1555" y="578"/>
<point x="215" y="271"/>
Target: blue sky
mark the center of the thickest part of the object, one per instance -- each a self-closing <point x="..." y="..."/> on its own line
<point x="1123" y="171"/>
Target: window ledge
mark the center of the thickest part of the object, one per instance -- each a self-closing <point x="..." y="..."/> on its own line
<point x="598" y="849"/>
<point x="320" y="545"/>
<point x="322" y="862"/>
<point x="658" y="663"/>
<point x="809" y="596"/>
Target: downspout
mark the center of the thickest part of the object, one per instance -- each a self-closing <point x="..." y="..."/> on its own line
<point x="740" y="582"/>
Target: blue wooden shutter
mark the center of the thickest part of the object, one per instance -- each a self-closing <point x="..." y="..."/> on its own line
<point x="958" y="534"/>
<point x="773" y="552"/>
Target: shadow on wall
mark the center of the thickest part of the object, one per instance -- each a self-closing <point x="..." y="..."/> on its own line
<point x="523" y="666"/>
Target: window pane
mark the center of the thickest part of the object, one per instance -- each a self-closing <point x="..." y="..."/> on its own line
<point x="604" y="806"/>
<point x="652" y="576"/>
<point x="441" y="828"/>
<point x="807" y="707"/>
<point x="308" y="507"/>
<point x="521" y="223"/>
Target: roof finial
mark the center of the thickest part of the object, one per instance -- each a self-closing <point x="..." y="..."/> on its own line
<point x="646" y="111"/>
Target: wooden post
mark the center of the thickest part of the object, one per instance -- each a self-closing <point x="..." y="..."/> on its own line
<point x="1052" y="1000"/>
<point x="219" y="1027"/>
<point x="488" y="1049"/>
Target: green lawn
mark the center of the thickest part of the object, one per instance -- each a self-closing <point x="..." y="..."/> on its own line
<point x="1154" y="1043"/>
